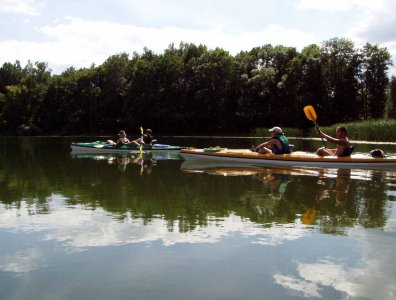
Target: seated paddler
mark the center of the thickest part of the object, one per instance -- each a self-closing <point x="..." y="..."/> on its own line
<point x="278" y="144"/>
<point x="344" y="148"/>
<point x="122" y="139"/>
<point x="146" y="139"/>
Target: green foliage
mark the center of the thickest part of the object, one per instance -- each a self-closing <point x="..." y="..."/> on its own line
<point x="392" y="98"/>
<point x="372" y="130"/>
<point x="193" y="89"/>
<point x="375" y="81"/>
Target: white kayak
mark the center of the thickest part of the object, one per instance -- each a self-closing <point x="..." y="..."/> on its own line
<point x="298" y="158"/>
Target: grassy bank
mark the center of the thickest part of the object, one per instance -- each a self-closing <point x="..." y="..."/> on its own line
<point x="373" y="130"/>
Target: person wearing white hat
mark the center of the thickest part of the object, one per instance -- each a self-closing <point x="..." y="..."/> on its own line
<point x="278" y="144"/>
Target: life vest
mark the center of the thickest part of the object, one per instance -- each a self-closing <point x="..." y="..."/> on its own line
<point x="285" y="145"/>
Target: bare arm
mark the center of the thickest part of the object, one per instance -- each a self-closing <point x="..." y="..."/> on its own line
<point x="269" y="144"/>
<point x="331" y="139"/>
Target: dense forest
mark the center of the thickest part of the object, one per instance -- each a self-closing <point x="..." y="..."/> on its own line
<point x="193" y="89"/>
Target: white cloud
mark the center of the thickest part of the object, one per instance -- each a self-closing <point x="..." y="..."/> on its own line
<point x="328" y="273"/>
<point x="24" y="7"/>
<point x="96" y="228"/>
<point x="337" y="5"/>
<point x="371" y="278"/>
<point x="79" y="43"/>
<point x="22" y="261"/>
<point x="322" y="273"/>
<point x="308" y="289"/>
<point x="376" y="24"/>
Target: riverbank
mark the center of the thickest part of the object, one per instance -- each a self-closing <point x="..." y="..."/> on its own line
<point x="373" y="130"/>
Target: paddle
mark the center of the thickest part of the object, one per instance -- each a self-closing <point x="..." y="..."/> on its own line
<point x="141" y="140"/>
<point x="311" y="115"/>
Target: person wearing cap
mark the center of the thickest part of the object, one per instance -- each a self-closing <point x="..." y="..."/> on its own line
<point x="146" y="139"/>
<point x="278" y="144"/>
<point x="122" y="139"/>
<point x="343" y="148"/>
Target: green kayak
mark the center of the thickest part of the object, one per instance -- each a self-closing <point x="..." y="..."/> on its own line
<point x="102" y="147"/>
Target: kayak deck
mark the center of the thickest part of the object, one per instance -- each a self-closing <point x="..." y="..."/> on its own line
<point x="297" y="158"/>
<point x="101" y="147"/>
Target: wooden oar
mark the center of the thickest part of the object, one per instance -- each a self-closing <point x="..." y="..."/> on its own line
<point x="311" y="115"/>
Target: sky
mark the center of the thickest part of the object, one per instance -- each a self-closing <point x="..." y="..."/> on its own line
<point x="79" y="33"/>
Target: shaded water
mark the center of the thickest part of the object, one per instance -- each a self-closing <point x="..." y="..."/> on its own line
<point x="78" y="226"/>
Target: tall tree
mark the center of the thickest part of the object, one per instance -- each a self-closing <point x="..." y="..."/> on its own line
<point x="393" y="97"/>
<point x="340" y="67"/>
<point x="110" y="86"/>
<point x="375" y="65"/>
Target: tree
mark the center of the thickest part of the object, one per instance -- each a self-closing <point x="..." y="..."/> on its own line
<point x="375" y="65"/>
<point x="340" y="70"/>
<point x="191" y="89"/>
<point x="111" y="84"/>
<point x="393" y="97"/>
<point x="10" y="74"/>
<point x="308" y="68"/>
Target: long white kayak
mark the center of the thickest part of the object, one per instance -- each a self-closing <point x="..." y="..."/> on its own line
<point x="298" y="158"/>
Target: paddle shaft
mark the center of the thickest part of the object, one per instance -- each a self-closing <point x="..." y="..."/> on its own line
<point x="317" y="128"/>
<point x="141" y="139"/>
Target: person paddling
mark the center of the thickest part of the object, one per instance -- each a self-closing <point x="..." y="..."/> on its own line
<point x="343" y="148"/>
<point x="146" y="139"/>
<point x="278" y="144"/>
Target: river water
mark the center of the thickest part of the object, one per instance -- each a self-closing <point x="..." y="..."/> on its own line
<point x="78" y="226"/>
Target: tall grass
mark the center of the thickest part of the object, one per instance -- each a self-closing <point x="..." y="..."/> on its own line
<point x="374" y="130"/>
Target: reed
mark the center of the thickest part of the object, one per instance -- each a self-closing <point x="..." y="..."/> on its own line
<point x="383" y="130"/>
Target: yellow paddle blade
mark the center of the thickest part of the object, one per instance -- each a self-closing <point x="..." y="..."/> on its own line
<point x="309" y="216"/>
<point x="141" y="130"/>
<point x="310" y="113"/>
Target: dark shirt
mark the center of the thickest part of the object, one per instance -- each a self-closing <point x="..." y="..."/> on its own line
<point x="148" y="139"/>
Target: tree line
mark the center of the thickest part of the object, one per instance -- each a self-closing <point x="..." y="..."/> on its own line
<point x="193" y="89"/>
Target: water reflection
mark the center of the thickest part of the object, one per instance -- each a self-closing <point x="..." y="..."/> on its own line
<point x="357" y="279"/>
<point x="78" y="229"/>
<point x="310" y="233"/>
<point x="146" y="160"/>
<point x="334" y="199"/>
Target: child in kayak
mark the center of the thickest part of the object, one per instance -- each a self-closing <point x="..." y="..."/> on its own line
<point x="343" y="148"/>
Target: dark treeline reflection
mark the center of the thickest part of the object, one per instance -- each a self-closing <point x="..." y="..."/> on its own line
<point x="188" y="195"/>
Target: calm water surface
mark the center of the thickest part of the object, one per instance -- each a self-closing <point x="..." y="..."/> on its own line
<point x="76" y="226"/>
